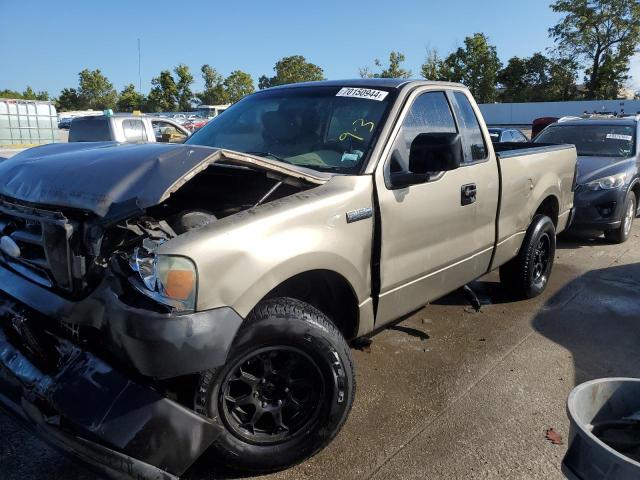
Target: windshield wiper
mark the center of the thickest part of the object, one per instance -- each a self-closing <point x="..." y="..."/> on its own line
<point x="269" y="154"/>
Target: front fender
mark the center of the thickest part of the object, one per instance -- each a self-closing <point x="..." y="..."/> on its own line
<point x="243" y="257"/>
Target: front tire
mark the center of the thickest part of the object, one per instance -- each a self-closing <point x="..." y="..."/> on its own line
<point x="527" y="275"/>
<point x="285" y="391"/>
<point x="621" y="234"/>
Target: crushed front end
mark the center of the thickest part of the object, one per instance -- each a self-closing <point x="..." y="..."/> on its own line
<point x="102" y="341"/>
<point x="84" y="356"/>
<point x="91" y="410"/>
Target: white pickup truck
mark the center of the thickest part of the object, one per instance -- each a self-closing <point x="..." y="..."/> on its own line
<point x="124" y="128"/>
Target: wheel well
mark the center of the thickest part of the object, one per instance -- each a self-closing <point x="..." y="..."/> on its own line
<point x="550" y="207"/>
<point x="329" y="292"/>
<point x="636" y="190"/>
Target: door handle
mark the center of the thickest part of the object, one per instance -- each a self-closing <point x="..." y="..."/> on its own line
<point x="468" y="194"/>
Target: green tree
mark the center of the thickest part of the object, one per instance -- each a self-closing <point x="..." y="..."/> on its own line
<point x="603" y="35"/>
<point x="237" y="85"/>
<point x="563" y="74"/>
<point x="394" y="70"/>
<point x="96" y="91"/>
<point x="130" y="100"/>
<point x="6" y="93"/>
<point x="164" y="93"/>
<point x="214" y="92"/>
<point x="69" y="99"/>
<point x="30" y="94"/>
<point x="431" y="68"/>
<point x="538" y="79"/>
<point x="183" y="85"/>
<point x="512" y="78"/>
<point x="293" y="69"/>
<point x="476" y="66"/>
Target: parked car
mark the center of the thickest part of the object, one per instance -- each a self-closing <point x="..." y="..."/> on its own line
<point x="540" y="124"/>
<point x="195" y="124"/>
<point x="126" y="128"/>
<point x="606" y="198"/>
<point x="65" y="123"/>
<point x="179" y="118"/>
<point x="163" y="301"/>
<point x="505" y="135"/>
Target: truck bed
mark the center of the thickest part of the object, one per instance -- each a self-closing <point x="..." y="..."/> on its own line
<point x="510" y="149"/>
<point x="531" y="173"/>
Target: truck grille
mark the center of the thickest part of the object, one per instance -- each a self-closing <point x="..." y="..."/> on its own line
<point x="35" y="243"/>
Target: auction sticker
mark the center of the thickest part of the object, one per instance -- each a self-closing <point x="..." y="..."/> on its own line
<point x="615" y="136"/>
<point x="366" y="93"/>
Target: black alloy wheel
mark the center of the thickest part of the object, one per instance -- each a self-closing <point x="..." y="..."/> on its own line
<point x="541" y="260"/>
<point x="272" y="395"/>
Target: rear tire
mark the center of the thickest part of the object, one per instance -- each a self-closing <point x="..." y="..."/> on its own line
<point x="285" y="391"/>
<point x="527" y="275"/>
<point x="621" y="234"/>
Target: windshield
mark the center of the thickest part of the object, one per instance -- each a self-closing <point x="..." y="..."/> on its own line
<point x="593" y="140"/>
<point x="323" y="128"/>
<point x="90" y="129"/>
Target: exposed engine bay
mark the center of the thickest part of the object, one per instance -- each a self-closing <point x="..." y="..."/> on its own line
<point x="69" y="250"/>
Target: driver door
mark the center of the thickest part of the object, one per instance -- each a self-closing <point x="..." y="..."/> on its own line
<point x="433" y="240"/>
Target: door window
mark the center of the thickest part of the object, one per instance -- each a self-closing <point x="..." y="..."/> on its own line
<point x="430" y="113"/>
<point x="472" y="138"/>
<point x="167" y="132"/>
<point x="134" y="131"/>
<point x="519" y="136"/>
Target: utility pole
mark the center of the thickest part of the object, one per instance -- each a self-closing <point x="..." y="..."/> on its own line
<point x="139" y="74"/>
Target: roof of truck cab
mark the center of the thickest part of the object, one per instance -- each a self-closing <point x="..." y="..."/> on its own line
<point x="396" y="83"/>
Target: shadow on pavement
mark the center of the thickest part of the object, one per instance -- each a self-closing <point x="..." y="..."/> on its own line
<point x="575" y="240"/>
<point x="488" y="292"/>
<point x="596" y="317"/>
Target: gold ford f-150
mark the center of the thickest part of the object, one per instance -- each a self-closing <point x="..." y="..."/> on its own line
<point x="160" y="302"/>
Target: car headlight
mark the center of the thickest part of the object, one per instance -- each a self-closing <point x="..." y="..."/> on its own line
<point x="608" y="183"/>
<point x="168" y="279"/>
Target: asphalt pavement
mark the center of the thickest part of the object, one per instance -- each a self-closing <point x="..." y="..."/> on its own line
<point x="456" y="394"/>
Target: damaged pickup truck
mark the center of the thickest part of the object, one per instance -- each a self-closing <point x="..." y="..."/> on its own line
<point x="164" y="302"/>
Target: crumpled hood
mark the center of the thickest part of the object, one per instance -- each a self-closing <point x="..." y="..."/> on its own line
<point x="112" y="180"/>
<point x="593" y="168"/>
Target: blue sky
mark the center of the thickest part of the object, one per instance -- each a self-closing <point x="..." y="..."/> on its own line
<point x="49" y="42"/>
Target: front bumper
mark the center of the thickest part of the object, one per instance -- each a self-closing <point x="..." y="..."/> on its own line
<point x="85" y="407"/>
<point x="160" y="345"/>
<point x="598" y="210"/>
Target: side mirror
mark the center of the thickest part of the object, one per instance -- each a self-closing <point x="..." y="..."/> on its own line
<point x="429" y="153"/>
<point x="435" y="152"/>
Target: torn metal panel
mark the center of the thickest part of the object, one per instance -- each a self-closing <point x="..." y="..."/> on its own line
<point x="107" y="418"/>
<point x="106" y="178"/>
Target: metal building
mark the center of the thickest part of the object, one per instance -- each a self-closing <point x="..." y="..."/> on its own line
<point x="525" y="113"/>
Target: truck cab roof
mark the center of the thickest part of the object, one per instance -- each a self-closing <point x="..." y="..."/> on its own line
<point x="396" y="83"/>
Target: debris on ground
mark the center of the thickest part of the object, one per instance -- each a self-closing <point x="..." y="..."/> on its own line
<point x="472" y="298"/>
<point x="553" y="436"/>
<point x="363" y="344"/>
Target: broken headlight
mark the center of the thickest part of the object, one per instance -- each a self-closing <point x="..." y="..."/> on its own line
<point x="169" y="279"/>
